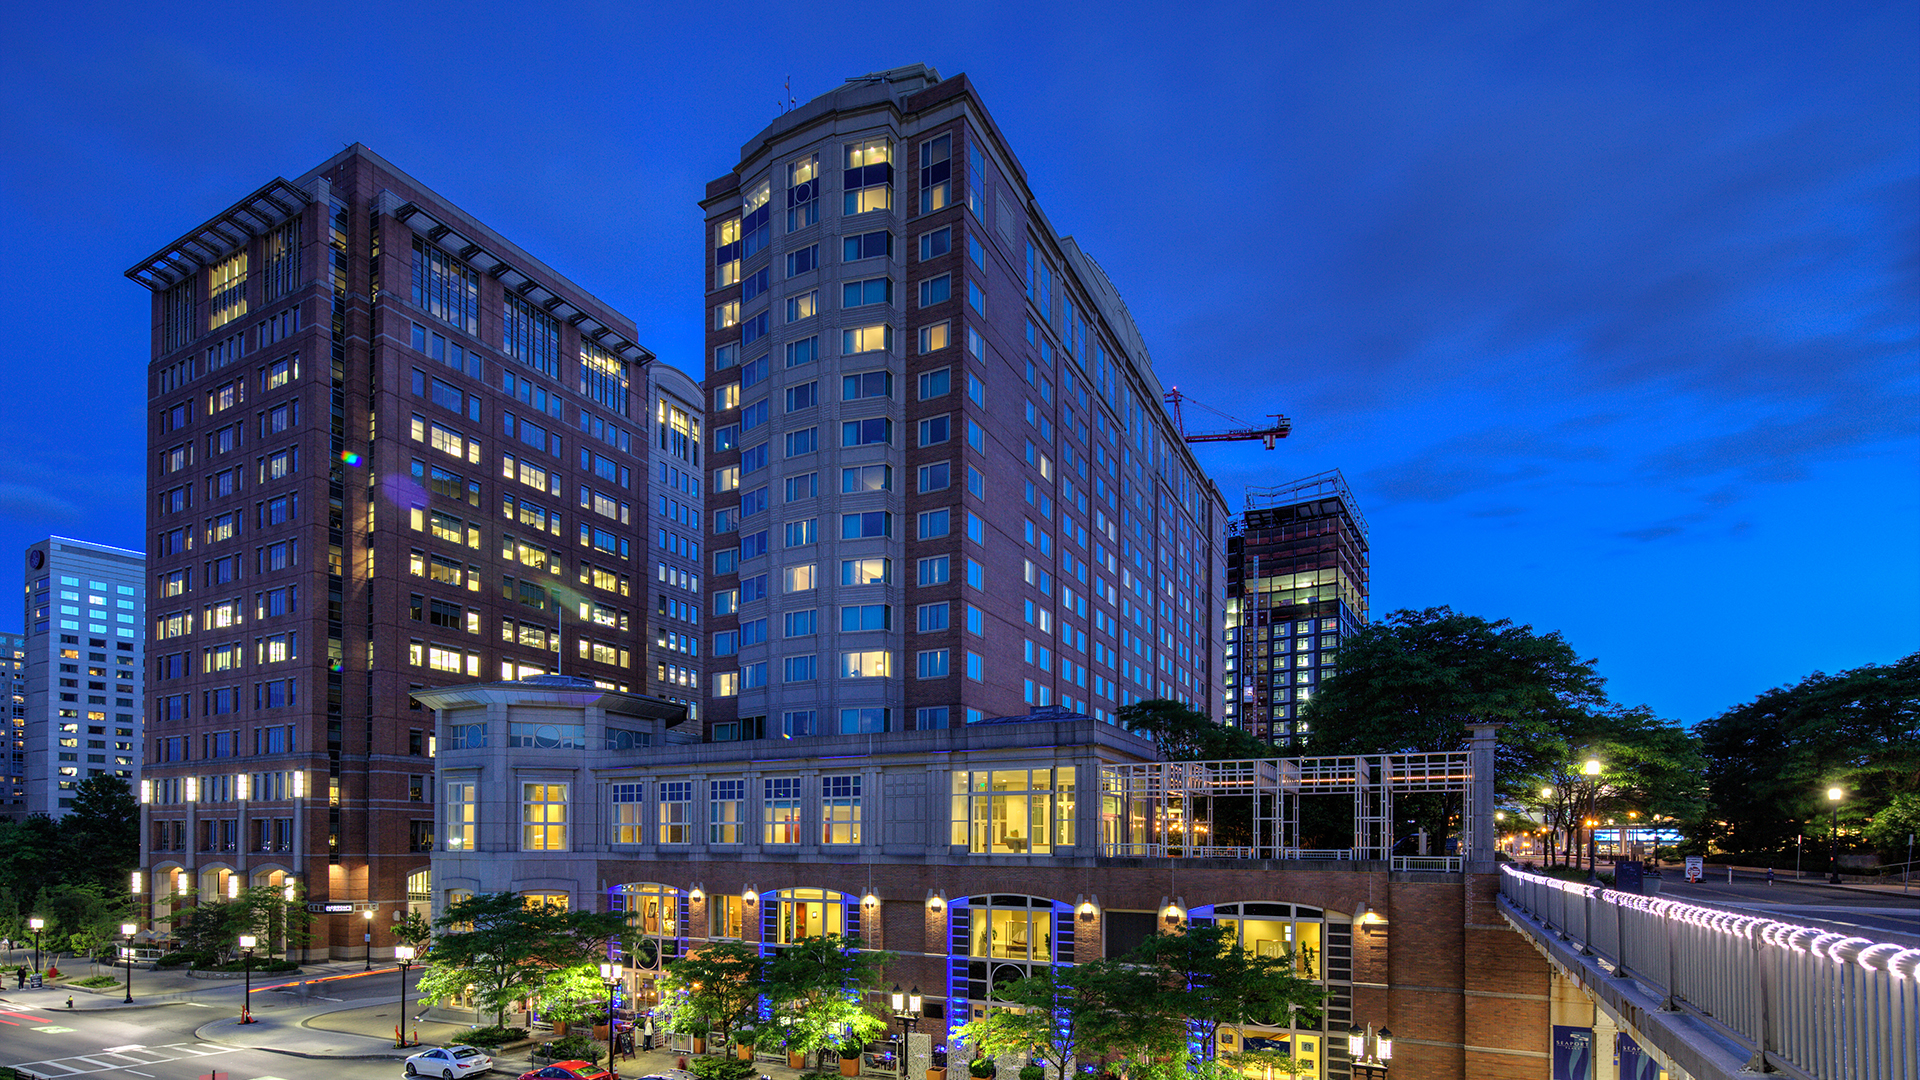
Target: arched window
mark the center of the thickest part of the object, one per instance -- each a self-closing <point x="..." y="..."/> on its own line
<point x="797" y="914"/>
<point x="1281" y="930"/>
<point x="656" y="917"/>
<point x="1000" y="938"/>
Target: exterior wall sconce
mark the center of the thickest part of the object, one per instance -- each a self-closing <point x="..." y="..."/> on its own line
<point x="1088" y="907"/>
<point x="936" y="901"/>
<point x="870" y="900"/>
<point x="750" y="894"/>
<point x="697" y="892"/>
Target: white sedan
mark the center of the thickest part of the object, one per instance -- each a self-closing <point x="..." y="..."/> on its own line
<point x="450" y="1062"/>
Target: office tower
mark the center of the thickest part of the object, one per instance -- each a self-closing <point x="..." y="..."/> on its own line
<point x="85" y="656"/>
<point x="390" y="450"/>
<point x="943" y="486"/>
<point x="675" y="484"/>
<point x="13" y="754"/>
<point x="1296" y="587"/>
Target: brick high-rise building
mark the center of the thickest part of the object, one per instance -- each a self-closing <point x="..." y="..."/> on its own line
<point x="390" y="450"/>
<point x="84" y="605"/>
<point x="943" y="485"/>
<point x="1297" y="573"/>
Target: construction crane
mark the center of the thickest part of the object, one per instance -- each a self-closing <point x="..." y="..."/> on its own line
<point x="1279" y="430"/>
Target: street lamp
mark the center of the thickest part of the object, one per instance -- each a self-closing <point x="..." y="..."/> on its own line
<point x="403" y="955"/>
<point x="610" y="971"/>
<point x="1546" y="818"/>
<point x="1370" y="1066"/>
<point x="368" y="916"/>
<point x="906" y="1007"/>
<point x="1592" y="771"/>
<point x="36" y="924"/>
<point x="126" y="930"/>
<point x="1832" y="842"/>
<point x="247" y="942"/>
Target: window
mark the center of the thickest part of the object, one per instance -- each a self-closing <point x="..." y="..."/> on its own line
<point x="804" y="486"/>
<point x="861" y="339"/>
<point x="754" y="284"/>
<point x="799" y="669"/>
<point x="780" y="811"/>
<point x="934" y="338"/>
<point x="932" y="617"/>
<point x="929" y="717"/>
<point x="804" y="351"/>
<point x="804" y="396"/>
<point x="462" y="815"/>
<point x="227" y="289"/>
<point x="726" y="314"/>
<point x="937" y="290"/>
<point x="936" y="243"/>
<point x="543" y="817"/>
<point x="676" y="806"/>
<point x="726" y="253"/>
<point x="935" y="570"/>
<point x="866" y="478"/>
<point x="840" y="809"/>
<point x="871" y="245"/>
<point x="932" y="664"/>
<point x="868" y="525"/>
<point x="803" y="441"/>
<point x="873" y="431"/>
<point x="1013" y="812"/>
<point x="868" y="178"/>
<point x="866" y="664"/>
<point x="855" y="617"/>
<point x="445" y="288"/>
<point x="865" y="721"/>
<point x="803" y="195"/>
<point x="800" y="623"/>
<point x="935" y="430"/>
<point x="866" y="571"/>
<point x="803" y="532"/>
<point x="726" y="818"/>
<point x="935" y="523"/>
<point x="869" y="291"/>
<point x="976" y="299"/>
<point x="936" y="174"/>
<point x="804" y="260"/>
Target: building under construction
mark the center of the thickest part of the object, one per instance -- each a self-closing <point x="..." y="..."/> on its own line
<point x="1296" y="586"/>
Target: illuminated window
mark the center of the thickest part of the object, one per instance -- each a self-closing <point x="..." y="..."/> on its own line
<point x="780" y="811"/>
<point x="543" y="817"/>
<point x="1013" y="811"/>
<point x="805" y="913"/>
<point x="462" y="817"/>
<point x="868" y="179"/>
<point x="227" y="290"/>
<point x="840" y="809"/>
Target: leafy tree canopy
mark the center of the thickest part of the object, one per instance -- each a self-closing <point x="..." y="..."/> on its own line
<point x="719" y="986"/>
<point x="818" y="986"/>
<point x="1180" y="733"/>
<point x="503" y="948"/>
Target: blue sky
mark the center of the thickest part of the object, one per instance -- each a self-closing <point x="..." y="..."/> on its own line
<point x="1607" y="311"/>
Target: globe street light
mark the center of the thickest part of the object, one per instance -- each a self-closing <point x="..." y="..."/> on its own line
<point x="403" y="954"/>
<point x="247" y="942"/>
<point x="127" y="929"/>
<point x="1834" y="795"/>
<point x="610" y="972"/>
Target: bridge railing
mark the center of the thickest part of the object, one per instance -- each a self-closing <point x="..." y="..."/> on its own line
<point x="1801" y="1000"/>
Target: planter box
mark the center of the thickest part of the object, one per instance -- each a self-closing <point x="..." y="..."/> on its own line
<point x="600" y="1033"/>
<point x="936" y="1074"/>
<point x="796" y="1061"/>
<point x="743" y="1052"/>
<point x="850" y="1066"/>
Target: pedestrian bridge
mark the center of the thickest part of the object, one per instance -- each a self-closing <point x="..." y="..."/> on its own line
<point x="1711" y="993"/>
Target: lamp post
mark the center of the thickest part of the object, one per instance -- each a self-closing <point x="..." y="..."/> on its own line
<point x="1832" y="838"/>
<point x="36" y="924"/>
<point x="610" y="972"/>
<point x="368" y="916"/>
<point x="1370" y="1065"/>
<point x="1546" y="819"/>
<point x="1592" y="771"/>
<point x="247" y="943"/>
<point x="127" y="930"/>
<point x="403" y="955"/>
<point x="906" y="1007"/>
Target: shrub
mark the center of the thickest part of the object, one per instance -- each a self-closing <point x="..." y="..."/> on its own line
<point x="98" y="981"/>
<point x="577" y="1045"/>
<point x="720" y="1068"/>
<point x="176" y="959"/>
<point x="1032" y="1072"/>
<point x="980" y="1068"/>
<point x="490" y="1037"/>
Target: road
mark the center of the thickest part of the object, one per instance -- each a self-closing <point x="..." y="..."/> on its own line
<point x="1884" y="915"/>
<point x="157" y="1042"/>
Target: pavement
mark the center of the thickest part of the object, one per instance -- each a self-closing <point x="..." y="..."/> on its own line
<point x="314" y="1025"/>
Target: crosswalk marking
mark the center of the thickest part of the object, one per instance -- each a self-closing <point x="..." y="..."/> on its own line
<point x="180" y="1051"/>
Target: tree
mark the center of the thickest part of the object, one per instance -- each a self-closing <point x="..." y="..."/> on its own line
<point x="719" y="986"/>
<point x="1206" y="975"/>
<point x="101" y="831"/>
<point x="503" y="948"/>
<point x="818" y="986"/>
<point x="1180" y="733"/>
<point x="1770" y="760"/>
<point x="571" y="994"/>
<point x="1042" y="1017"/>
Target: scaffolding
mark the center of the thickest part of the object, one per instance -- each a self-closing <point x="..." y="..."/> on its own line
<point x="1250" y="809"/>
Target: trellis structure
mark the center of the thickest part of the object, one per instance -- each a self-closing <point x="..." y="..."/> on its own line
<point x="1174" y="809"/>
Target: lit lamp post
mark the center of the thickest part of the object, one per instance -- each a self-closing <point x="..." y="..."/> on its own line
<point x="1832" y="842"/>
<point x="1592" y="771"/>
<point x="610" y="972"/>
<point x="1546" y="818"/>
<point x="403" y="955"/>
<point x="126" y="930"/>
<point x="247" y="943"/>
<point x="36" y="924"/>
<point x="906" y="1007"/>
<point x="1370" y="1066"/>
<point x="368" y="916"/>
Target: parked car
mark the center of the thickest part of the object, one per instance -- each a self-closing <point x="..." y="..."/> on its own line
<point x="450" y="1062"/>
<point x="568" y="1070"/>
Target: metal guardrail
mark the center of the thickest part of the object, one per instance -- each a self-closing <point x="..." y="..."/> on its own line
<point x="1802" y="1001"/>
<point x="1439" y="864"/>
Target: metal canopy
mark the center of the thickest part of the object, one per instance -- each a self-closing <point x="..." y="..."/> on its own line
<point x="272" y="205"/>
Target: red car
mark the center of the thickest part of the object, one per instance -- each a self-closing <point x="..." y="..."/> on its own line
<point x="567" y="1070"/>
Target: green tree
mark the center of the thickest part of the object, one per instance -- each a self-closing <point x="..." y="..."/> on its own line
<point x="1181" y="733"/>
<point x="572" y="994"/>
<point x="1208" y="977"/>
<point x="818" y="987"/>
<point x="503" y="948"/>
<point x="1771" y="760"/>
<point x="718" y="986"/>
<point x="101" y="832"/>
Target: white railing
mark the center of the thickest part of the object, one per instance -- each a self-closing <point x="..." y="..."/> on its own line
<point x="1802" y="1000"/>
<point x="1432" y="864"/>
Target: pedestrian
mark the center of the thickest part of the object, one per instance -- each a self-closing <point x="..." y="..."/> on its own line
<point x="646" y="1033"/>
<point x="1769" y="875"/>
<point x="69" y="1001"/>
